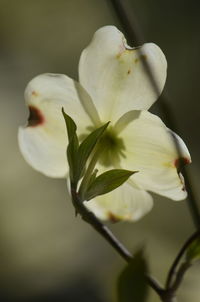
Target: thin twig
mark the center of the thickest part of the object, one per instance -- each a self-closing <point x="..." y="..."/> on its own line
<point x="90" y="218"/>
<point x="132" y="31"/>
<point x="178" y="258"/>
<point x="104" y="231"/>
<point x="154" y="284"/>
<point x="180" y="275"/>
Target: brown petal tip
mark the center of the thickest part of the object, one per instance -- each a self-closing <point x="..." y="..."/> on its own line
<point x="35" y="117"/>
<point x="113" y="218"/>
<point x="179" y="163"/>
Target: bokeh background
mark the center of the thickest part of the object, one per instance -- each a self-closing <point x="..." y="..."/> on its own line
<point x="46" y="253"/>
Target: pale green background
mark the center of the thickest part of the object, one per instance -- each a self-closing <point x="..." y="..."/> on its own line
<point x="46" y="251"/>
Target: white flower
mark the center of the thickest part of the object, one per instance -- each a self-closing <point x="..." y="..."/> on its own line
<point x="113" y="87"/>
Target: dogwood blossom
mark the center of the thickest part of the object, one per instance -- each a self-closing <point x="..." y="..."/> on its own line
<point x="113" y="86"/>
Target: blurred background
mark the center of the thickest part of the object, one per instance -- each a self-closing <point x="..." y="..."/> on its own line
<point x="46" y="253"/>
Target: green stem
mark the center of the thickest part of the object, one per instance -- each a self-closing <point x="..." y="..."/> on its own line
<point x="180" y="275"/>
<point x="176" y="262"/>
<point x="89" y="171"/>
<point x="104" y="231"/>
<point x="90" y="218"/>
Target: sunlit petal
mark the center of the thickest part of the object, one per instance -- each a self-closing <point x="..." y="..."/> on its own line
<point x="151" y="149"/>
<point x="124" y="203"/>
<point x="114" y="74"/>
<point x="43" y="141"/>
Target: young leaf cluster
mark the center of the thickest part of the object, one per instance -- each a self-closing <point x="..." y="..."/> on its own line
<point x="79" y="153"/>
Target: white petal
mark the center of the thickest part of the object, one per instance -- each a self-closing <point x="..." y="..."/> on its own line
<point x="151" y="149"/>
<point x="114" y="75"/>
<point x="43" y="142"/>
<point x="124" y="203"/>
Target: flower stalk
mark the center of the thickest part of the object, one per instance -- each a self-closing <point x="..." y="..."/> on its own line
<point x="78" y="192"/>
<point x="167" y="294"/>
<point x="106" y="233"/>
<point x="179" y="276"/>
<point x="89" y="172"/>
<point x="90" y="218"/>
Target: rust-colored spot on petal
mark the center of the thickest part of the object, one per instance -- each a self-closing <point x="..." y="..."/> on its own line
<point x="35" y="117"/>
<point x="118" y="55"/>
<point x="112" y="217"/>
<point x="179" y="163"/>
<point x="34" y="93"/>
<point x="140" y="58"/>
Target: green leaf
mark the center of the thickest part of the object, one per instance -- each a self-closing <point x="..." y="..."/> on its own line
<point x="106" y="182"/>
<point x="193" y="252"/>
<point x="87" y="146"/>
<point x="70" y="124"/>
<point x="72" y="149"/>
<point x="132" y="285"/>
<point x="92" y="177"/>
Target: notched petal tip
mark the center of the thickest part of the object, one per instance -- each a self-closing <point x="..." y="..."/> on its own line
<point x="113" y="218"/>
<point x="54" y="75"/>
<point x="183" y="188"/>
<point x="179" y="163"/>
<point x="35" y="117"/>
<point x="34" y="93"/>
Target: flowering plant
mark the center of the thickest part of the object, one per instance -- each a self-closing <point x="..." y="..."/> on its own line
<point x="113" y="86"/>
<point x="117" y="150"/>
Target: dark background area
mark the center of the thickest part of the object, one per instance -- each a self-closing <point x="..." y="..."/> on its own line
<point x="46" y="253"/>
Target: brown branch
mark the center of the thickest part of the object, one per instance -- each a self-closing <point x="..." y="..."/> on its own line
<point x="104" y="231"/>
<point x="180" y="254"/>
